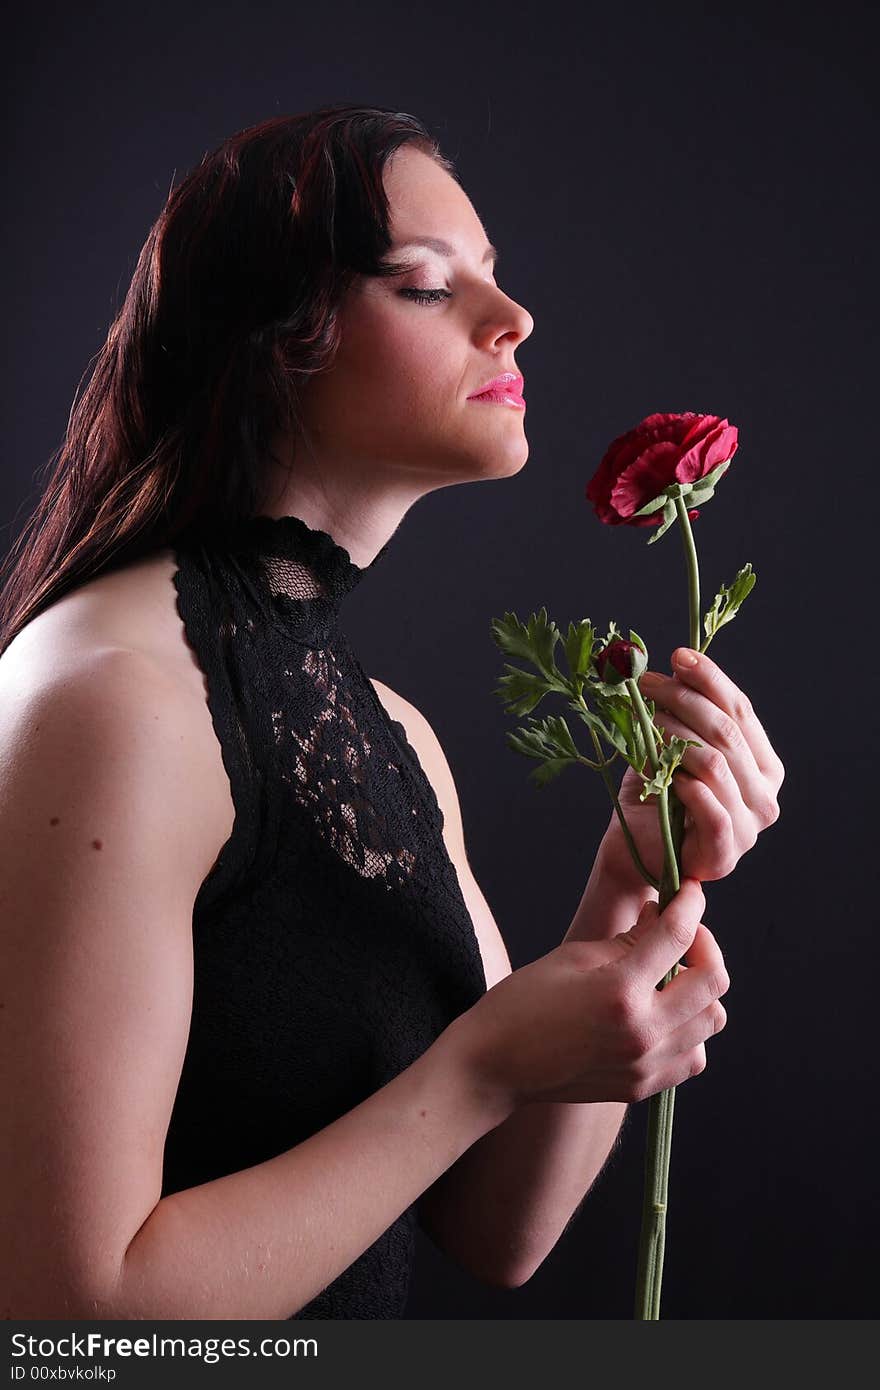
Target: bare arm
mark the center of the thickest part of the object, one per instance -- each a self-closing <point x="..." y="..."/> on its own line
<point x="505" y="1203"/>
<point x="105" y="838"/>
<point x="262" y="1242"/>
<point x="510" y="1198"/>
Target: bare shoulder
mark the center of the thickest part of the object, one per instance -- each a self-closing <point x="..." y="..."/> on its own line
<point x="133" y="607"/>
<point x="107" y="734"/>
<point x="129" y="618"/>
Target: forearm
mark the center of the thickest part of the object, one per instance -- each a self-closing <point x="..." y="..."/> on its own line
<point x="501" y="1208"/>
<point x="261" y="1243"/>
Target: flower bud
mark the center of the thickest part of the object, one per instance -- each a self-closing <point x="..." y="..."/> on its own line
<point x="620" y="661"/>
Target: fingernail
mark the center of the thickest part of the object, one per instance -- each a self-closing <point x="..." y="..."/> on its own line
<point x="650" y="678"/>
<point x="685" y="656"/>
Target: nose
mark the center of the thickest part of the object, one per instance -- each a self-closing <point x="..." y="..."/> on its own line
<point x="509" y="319"/>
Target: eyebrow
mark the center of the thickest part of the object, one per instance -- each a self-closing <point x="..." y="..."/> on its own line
<point x="443" y="248"/>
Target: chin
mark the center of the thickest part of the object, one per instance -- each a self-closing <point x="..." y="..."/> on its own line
<point x="473" y="465"/>
<point x="507" y="462"/>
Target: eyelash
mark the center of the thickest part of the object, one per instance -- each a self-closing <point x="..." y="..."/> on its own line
<point x="427" y="296"/>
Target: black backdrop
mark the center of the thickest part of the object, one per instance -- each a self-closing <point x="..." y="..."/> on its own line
<point x="686" y="204"/>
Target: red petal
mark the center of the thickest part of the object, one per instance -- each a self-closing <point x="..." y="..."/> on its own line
<point x="645" y="478"/>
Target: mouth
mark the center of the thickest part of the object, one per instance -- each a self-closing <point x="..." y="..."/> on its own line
<point x="506" y="389"/>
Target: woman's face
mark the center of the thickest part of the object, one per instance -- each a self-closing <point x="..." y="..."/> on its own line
<point x="395" y="401"/>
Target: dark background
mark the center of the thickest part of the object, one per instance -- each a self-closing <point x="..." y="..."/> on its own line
<point x="686" y="204"/>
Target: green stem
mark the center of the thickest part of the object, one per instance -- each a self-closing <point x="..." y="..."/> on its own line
<point x="693" y="569"/>
<point x="652" y="1243"/>
<point x="633" y="848"/>
<point x="612" y="792"/>
<point x="648" y="731"/>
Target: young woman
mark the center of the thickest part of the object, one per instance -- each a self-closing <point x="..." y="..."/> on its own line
<point x="258" y="1017"/>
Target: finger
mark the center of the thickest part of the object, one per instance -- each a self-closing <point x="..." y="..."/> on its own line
<point x="659" y="939"/>
<point x="691" y="1033"/>
<point x="734" y="783"/>
<point x="717" y="844"/>
<point x="705" y="952"/>
<point x="722" y="826"/>
<point x="707" y="678"/>
<point x="681" y="1068"/>
<point x="725" y="760"/>
<point x="696" y="1030"/>
<point x="692" y="990"/>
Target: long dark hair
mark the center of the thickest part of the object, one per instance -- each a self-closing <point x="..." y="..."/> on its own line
<point x="232" y="306"/>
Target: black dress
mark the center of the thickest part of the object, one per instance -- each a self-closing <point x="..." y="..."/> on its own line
<point x="331" y="941"/>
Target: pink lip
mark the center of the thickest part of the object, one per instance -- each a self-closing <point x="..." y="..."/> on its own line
<point x="505" y="389"/>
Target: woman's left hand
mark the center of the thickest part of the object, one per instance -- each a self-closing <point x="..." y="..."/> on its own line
<point x="728" y="787"/>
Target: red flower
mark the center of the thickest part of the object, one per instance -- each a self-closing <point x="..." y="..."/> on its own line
<point x="620" y="661"/>
<point x="664" y="449"/>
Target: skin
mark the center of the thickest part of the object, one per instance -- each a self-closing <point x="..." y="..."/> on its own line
<point x="390" y="421"/>
<point x="729" y="786"/>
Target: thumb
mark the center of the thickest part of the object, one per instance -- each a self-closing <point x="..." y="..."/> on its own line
<point x="660" y="939"/>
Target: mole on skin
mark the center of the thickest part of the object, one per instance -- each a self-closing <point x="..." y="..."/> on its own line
<point x="96" y="844"/>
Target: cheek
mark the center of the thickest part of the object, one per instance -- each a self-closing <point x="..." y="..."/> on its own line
<point x="405" y="374"/>
<point x="386" y="342"/>
<point x="395" y="371"/>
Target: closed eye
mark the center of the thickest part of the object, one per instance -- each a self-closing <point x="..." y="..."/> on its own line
<point x="427" y="296"/>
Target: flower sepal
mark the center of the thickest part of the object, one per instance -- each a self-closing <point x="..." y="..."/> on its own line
<point x="697" y="492"/>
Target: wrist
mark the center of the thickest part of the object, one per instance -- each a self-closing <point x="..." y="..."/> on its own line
<point x="468" y="1053"/>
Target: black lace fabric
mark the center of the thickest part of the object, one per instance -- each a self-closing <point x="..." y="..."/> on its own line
<point x="331" y="941"/>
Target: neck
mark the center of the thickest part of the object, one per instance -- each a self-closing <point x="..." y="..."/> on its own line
<point x="361" y="516"/>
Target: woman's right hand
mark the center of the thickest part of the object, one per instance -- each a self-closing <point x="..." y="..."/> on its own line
<point x="586" y="1022"/>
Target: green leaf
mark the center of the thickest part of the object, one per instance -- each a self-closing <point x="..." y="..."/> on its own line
<point x="634" y="637"/>
<point x="728" y="601"/>
<point x="579" y="647"/>
<point x="621" y="713"/>
<point x="624" y="730"/>
<point x="534" y="640"/>
<point x="523" y="741"/>
<point x="548" y="770"/>
<point x="614" y="734"/>
<point x="597" y="723"/>
<point x="551" y="742"/>
<point x="545" y="737"/>
<point x="521" y="690"/>
<point x="558" y="735"/>
<point x="670" y="756"/>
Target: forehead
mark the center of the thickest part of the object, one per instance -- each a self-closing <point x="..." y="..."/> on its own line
<point x="425" y="200"/>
